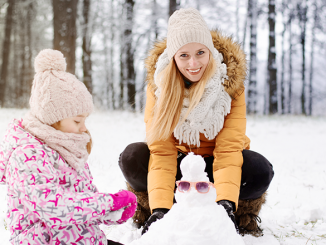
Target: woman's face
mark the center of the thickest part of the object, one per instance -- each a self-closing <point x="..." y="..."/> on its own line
<point x="72" y="124"/>
<point x="192" y="60"/>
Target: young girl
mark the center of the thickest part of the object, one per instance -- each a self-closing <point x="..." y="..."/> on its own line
<point x="196" y="103"/>
<point x="51" y="195"/>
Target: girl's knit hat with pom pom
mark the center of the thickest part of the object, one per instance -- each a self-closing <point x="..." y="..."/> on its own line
<point x="57" y="94"/>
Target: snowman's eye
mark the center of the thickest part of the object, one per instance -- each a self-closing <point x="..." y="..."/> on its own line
<point x="202" y="187"/>
<point x="183" y="186"/>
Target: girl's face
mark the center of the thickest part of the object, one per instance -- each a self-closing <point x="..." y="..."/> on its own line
<point x="192" y="60"/>
<point x="74" y="125"/>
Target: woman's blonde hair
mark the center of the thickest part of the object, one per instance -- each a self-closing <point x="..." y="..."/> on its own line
<point x="168" y="106"/>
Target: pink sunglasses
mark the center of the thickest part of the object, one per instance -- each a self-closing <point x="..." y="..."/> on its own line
<point x="200" y="186"/>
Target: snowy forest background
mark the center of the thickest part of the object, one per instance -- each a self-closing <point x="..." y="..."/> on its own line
<point x="105" y="43"/>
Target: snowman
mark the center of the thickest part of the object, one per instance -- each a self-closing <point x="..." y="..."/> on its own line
<point x="195" y="218"/>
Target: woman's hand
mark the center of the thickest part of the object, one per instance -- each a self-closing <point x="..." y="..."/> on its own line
<point x="158" y="213"/>
<point x="228" y="206"/>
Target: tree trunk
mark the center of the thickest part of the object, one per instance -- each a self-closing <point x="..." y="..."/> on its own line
<point x="173" y="6"/>
<point x="313" y="41"/>
<point x="237" y="21"/>
<point x="127" y="55"/>
<point x="245" y="26"/>
<point x="108" y="66"/>
<point x="5" y="51"/>
<point x="30" y="70"/>
<point x="290" y="63"/>
<point x="14" y="89"/>
<point x="109" y="48"/>
<point x="303" y="22"/>
<point x="252" y="92"/>
<point x="110" y="85"/>
<point x="86" y="46"/>
<point x="64" y="28"/>
<point x="22" y="81"/>
<point x="282" y="73"/>
<point x="272" y="70"/>
<point x="283" y="58"/>
<point x="154" y="19"/>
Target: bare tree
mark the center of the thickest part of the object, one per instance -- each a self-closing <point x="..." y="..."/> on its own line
<point x="291" y="17"/>
<point x="14" y="91"/>
<point x="252" y="92"/>
<point x="112" y="49"/>
<point x="272" y="70"/>
<point x="173" y="6"/>
<point x="64" y="28"/>
<point x="20" y="49"/>
<point x="5" y="51"/>
<point x="302" y="12"/>
<point x="154" y="19"/>
<point x="237" y="21"/>
<point x="86" y="47"/>
<point x="30" y="72"/>
<point x="285" y="24"/>
<point x="109" y="51"/>
<point x="245" y="26"/>
<point x="127" y="55"/>
<point x="312" y="58"/>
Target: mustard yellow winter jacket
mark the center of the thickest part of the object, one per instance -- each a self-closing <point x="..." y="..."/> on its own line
<point x="226" y="147"/>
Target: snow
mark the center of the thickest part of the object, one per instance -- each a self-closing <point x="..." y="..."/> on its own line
<point x="294" y="213"/>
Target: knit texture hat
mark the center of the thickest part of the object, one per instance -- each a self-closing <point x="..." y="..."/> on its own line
<point x="56" y="94"/>
<point x="187" y="26"/>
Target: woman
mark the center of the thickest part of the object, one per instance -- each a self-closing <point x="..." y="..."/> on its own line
<point x="196" y="103"/>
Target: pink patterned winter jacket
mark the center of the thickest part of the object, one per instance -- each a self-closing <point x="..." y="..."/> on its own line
<point x="48" y="201"/>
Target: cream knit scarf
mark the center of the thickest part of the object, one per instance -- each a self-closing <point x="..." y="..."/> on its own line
<point x="70" y="146"/>
<point x="208" y="116"/>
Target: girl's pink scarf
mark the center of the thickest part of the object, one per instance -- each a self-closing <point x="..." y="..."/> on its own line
<point x="70" y="146"/>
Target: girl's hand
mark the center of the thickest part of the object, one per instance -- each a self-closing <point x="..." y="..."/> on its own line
<point x="128" y="213"/>
<point x="128" y="201"/>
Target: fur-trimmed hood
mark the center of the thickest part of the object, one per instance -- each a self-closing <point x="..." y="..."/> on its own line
<point x="233" y="57"/>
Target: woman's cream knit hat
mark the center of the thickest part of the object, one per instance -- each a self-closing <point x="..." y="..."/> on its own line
<point x="57" y="94"/>
<point x="187" y="26"/>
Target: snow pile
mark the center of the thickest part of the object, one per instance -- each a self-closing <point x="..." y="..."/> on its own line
<point x="195" y="218"/>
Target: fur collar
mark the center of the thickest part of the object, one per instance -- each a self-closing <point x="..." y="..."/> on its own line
<point x="233" y="57"/>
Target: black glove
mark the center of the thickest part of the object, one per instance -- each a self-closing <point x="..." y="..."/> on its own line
<point x="229" y="207"/>
<point x="158" y="213"/>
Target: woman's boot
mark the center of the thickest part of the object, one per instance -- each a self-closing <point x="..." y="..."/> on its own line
<point x="247" y="216"/>
<point x="143" y="211"/>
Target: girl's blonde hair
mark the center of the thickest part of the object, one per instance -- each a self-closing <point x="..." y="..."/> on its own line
<point x="168" y="106"/>
<point x="90" y="143"/>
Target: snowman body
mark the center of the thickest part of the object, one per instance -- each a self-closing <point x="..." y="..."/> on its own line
<point x="195" y="218"/>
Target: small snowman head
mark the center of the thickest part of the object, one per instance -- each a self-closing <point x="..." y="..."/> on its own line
<point x="193" y="170"/>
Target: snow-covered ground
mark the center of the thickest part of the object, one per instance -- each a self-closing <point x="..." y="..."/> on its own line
<point x="295" y="212"/>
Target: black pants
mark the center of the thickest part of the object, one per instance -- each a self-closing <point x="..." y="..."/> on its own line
<point x="257" y="171"/>
<point x="113" y="243"/>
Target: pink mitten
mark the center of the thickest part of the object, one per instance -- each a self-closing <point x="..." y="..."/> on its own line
<point x="124" y="199"/>
<point x="128" y="213"/>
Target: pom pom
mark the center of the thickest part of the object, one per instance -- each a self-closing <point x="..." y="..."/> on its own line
<point x="49" y="59"/>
